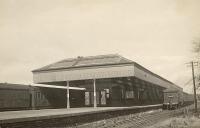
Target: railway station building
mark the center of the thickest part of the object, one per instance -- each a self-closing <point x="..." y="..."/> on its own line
<point x="108" y="80"/>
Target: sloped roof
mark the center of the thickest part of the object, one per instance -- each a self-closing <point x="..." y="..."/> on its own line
<point x="89" y="61"/>
<point x="96" y="67"/>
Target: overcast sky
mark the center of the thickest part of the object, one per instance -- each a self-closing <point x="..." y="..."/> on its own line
<point x="157" y="34"/>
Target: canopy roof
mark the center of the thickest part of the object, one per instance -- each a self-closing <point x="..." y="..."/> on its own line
<point x="90" y="61"/>
<point x="96" y="67"/>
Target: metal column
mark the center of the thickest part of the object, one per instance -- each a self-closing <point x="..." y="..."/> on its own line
<point x="95" y="99"/>
<point x="68" y="100"/>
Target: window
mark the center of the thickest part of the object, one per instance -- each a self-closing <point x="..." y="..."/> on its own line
<point x="107" y="93"/>
<point x="103" y="97"/>
<point x="130" y="95"/>
<point x="87" y="98"/>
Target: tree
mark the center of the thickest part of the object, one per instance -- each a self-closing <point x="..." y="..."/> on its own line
<point x="196" y="46"/>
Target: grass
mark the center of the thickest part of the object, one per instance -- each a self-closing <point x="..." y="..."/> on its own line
<point x="188" y="119"/>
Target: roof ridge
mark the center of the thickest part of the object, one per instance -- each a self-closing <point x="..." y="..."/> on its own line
<point x="101" y="56"/>
<point x="88" y="57"/>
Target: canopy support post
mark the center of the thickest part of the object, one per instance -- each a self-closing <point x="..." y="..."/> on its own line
<point x="95" y="99"/>
<point x="68" y="100"/>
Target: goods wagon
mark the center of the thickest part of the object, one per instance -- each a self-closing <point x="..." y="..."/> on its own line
<point x="188" y="98"/>
<point x="174" y="99"/>
<point x="18" y="97"/>
<point x="21" y="97"/>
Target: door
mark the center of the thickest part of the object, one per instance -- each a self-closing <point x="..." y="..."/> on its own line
<point x="116" y="96"/>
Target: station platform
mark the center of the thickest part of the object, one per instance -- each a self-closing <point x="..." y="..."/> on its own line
<point x="31" y="115"/>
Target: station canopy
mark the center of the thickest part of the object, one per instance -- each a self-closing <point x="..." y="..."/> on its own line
<point x="96" y="67"/>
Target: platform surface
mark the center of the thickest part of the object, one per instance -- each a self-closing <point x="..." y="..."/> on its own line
<point x="30" y="115"/>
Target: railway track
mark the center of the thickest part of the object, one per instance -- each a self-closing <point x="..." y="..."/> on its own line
<point x="139" y="120"/>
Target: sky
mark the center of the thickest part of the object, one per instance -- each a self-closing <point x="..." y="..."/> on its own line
<point x="157" y="34"/>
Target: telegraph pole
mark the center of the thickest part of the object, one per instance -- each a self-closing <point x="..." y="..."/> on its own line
<point x="195" y="97"/>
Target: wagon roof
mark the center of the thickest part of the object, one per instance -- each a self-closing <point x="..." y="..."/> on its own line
<point x="13" y="86"/>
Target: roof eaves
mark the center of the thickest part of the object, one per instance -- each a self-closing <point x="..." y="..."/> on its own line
<point x="155" y="74"/>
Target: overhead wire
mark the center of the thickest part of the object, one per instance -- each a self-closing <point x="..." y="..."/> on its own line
<point x="187" y="83"/>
